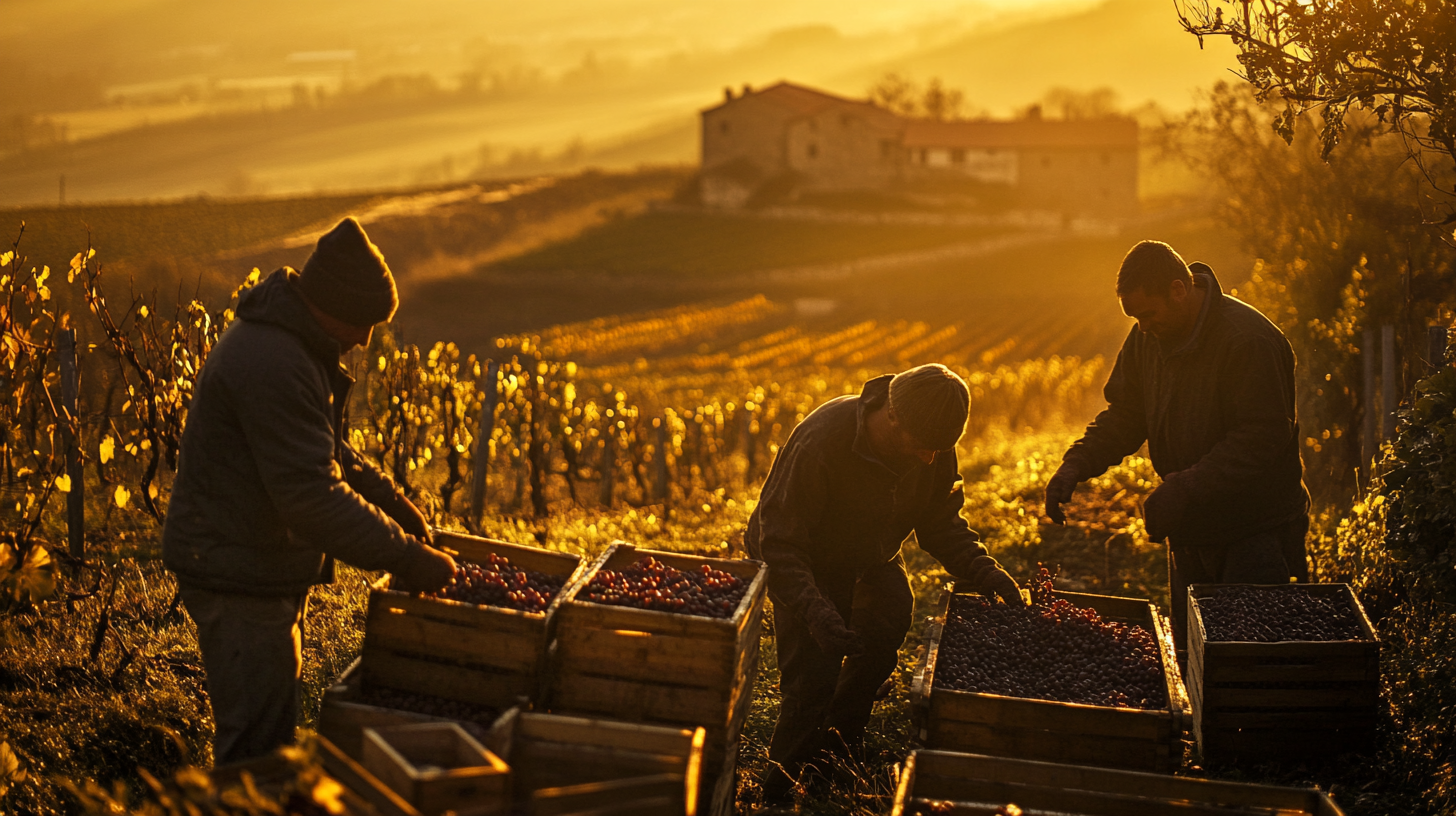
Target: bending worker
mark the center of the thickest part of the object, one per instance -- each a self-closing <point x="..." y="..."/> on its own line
<point x="855" y="478"/>
<point x="1208" y="382"/>
<point x="268" y="492"/>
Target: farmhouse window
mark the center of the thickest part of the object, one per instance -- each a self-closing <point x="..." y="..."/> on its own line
<point x="723" y="127"/>
<point x="813" y="150"/>
<point x="958" y="156"/>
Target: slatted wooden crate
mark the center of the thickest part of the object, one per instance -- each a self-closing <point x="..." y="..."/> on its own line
<point x="939" y="782"/>
<point x="437" y="767"/>
<point x="660" y="667"/>
<point x="564" y="764"/>
<point x="478" y="654"/>
<point x="1287" y="700"/>
<point x="346" y="712"/>
<point x="1139" y="739"/>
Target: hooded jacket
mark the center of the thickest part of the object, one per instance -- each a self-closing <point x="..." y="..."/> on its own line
<point x="830" y="511"/>
<point x="1218" y="416"/>
<point x="266" y="488"/>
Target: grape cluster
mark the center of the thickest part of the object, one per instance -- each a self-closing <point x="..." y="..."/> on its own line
<point x="497" y="583"/>
<point x="1052" y="650"/>
<point x="430" y="705"/>
<point x="1273" y="614"/>
<point x="651" y="584"/>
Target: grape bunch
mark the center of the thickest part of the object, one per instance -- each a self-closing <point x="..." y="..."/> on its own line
<point x="497" y="583"/>
<point x="430" y="705"/>
<point x="1052" y="650"/>
<point x="1273" y="614"/>
<point x="651" y="584"/>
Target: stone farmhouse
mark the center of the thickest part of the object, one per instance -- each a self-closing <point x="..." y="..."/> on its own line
<point x="789" y="139"/>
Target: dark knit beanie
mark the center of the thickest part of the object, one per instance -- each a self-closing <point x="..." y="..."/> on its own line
<point x="346" y="277"/>
<point x="932" y="404"/>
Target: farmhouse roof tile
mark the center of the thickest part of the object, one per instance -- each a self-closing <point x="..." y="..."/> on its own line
<point x="1026" y="133"/>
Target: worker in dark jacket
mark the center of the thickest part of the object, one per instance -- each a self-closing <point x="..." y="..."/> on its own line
<point x="267" y="492"/>
<point x="1208" y="382"/>
<point x="854" y="480"/>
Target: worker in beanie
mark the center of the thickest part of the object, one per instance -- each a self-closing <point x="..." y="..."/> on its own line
<point x="268" y="492"/>
<point x="853" y="481"/>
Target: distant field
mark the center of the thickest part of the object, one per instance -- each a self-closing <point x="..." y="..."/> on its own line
<point x="145" y="233"/>
<point x="710" y="244"/>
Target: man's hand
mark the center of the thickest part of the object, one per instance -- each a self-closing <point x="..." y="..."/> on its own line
<point x="828" y="630"/>
<point x="426" y="569"/>
<point x="1163" y="510"/>
<point x="1059" y="491"/>
<point x="1000" y="583"/>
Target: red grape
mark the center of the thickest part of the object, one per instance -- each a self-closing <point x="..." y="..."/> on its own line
<point x="651" y="584"/>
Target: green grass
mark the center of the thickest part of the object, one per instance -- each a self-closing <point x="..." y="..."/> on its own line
<point x="705" y="244"/>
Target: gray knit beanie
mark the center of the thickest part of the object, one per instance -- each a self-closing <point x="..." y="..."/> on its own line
<point x="932" y="404"/>
<point x="346" y="277"/>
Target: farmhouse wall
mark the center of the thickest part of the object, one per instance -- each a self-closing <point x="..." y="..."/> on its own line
<point x="790" y="137"/>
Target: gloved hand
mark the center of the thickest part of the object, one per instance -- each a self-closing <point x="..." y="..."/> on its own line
<point x="1163" y="510"/>
<point x="425" y="569"/>
<point x="1059" y="491"/>
<point x="828" y="629"/>
<point x="999" y="582"/>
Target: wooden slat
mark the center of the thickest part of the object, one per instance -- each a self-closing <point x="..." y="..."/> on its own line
<point x="939" y="775"/>
<point x="477" y="549"/>
<point x="1216" y="698"/>
<point x="442" y="680"/>
<point x="509" y="651"/>
<point x="632" y="700"/>
<point x="605" y="734"/>
<point x="618" y="792"/>
<point x="656" y="658"/>
<point x="1051" y="746"/>
<point x="1016" y="712"/>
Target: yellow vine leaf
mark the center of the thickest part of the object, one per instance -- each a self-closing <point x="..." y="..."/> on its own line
<point x="10" y="770"/>
<point x="108" y="449"/>
<point x="36" y="578"/>
<point x="121" y="496"/>
<point x="63" y="483"/>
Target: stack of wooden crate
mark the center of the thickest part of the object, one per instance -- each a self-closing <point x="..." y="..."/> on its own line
<point x="658" y="667"/>
<point x="1150" y="740"/>
<point x="1287" y="700"/>
<point x="936" y="783"/>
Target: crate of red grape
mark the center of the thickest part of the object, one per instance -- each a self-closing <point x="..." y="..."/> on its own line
<point x="649" y="636"/>
<point x="932" y="783"/>
<point x="1282" y="671"/>
<point x="483" y="638"/>
<point x="1073" y="678"/>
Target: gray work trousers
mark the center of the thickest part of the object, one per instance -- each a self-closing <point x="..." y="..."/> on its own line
<point x="252" y="650"/>
<point x="821" y="694"/>
<point x="1274" y="556"/>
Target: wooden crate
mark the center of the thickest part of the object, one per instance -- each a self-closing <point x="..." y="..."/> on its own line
<point x="1287" y="700"/>
<point x="563" y="764"/>
<point x="344" y="714"/>
<point x="648" y="666"/>
<point x="1139" y="739"/>
<point x="939" y="782"/>
<point x="437" y="767"/>
<point x="478" y="654"/>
